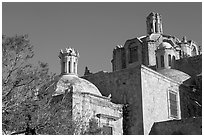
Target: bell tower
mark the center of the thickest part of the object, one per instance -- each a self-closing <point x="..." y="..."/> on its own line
<point x="69" y="61"/>
<point x="154" y="23"/>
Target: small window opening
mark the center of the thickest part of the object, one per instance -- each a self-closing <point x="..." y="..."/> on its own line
<point x="169" y="58"/>
<point x="69" y="67"/>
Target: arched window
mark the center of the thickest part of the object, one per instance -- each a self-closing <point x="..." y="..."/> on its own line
<point x="162" y="61"/>
<point x="69" y="67"/>
<point x="169" y="58"/>
<point x="156" y="62"/>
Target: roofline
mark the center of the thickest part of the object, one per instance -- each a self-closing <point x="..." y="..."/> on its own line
<point x="103" y="97"/>
<point x="177" y="120"/>
<point x="159" y="74"/>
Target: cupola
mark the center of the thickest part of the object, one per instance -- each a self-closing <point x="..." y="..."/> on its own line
<point x="165" y="56"/>
<point x="69" y="61"/>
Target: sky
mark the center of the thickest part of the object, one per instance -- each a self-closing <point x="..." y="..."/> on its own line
<point x="94" y="29"/>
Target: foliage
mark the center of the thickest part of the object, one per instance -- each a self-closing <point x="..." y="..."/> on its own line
<point x="27" y="103"/>
<point x="20" y="81"/>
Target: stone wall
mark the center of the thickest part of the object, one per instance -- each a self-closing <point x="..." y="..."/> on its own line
<point x="88" y="106"/>
<point x="155" y="88"/>
<point x="125" y="88"/>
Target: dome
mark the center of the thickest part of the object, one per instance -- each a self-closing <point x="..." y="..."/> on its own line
<point x="79" y="85"/>
<point x="165" y="45"/>
<point x="174" y="74"/>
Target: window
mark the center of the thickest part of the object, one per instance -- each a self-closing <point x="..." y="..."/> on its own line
<point x="69" y="67"/>
<point x="156" y="27"/>
<point x="173" y="60"/>
<point x="173" y="104"/>
<point x="151" y="26"/>
<point x="74" y="67"/>
<point x="133" y="52"/>
<point x="162" y="61"/>
<point x="107" y="130"/>
<point x="169" y="58"/>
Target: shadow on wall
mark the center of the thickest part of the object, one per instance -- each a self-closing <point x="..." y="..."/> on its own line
<point x="191" y="111"/>
<point x="189" y="126"/>
<point x="191" y="97"/>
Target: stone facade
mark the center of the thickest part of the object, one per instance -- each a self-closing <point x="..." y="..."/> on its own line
<point x="148" y="49"/>
<point x="101" y="109"/>
<point x="155" y="78"/>
<point x="149" y="77"/>
<point x="84" y="100"/>
<point x="143" y="90"/>
<point x="155" y="98"/>
<point x="124" y="89"/>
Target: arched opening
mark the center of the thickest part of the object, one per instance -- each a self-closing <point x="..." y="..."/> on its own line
<point x="162" y="60"/>
<point x="173" y="60"/>
<point x="74" y="67"/>
<point x="69" y="67"/>
<point x="169" y="59"/>
<point x="156" y="27"/>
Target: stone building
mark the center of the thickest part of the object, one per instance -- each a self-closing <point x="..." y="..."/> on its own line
<point x="86" y="101"/>
<point x="157" y="77"/>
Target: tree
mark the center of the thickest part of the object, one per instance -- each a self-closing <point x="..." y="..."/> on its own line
<point x="20" y="81"/>
<point x="27" y="103"/>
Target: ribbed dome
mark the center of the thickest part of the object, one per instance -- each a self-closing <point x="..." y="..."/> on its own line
<point x="175" y="74"/>
<point x="165" y="45"/>
<point x="78" y="84"/>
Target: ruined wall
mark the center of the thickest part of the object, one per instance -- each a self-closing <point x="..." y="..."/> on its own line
<point x="125" y="87"/>
<point x="155" y="89"/>
<point x="190" y="65"/>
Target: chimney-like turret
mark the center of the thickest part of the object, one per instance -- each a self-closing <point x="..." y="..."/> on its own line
<point x="69" y="61"/>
